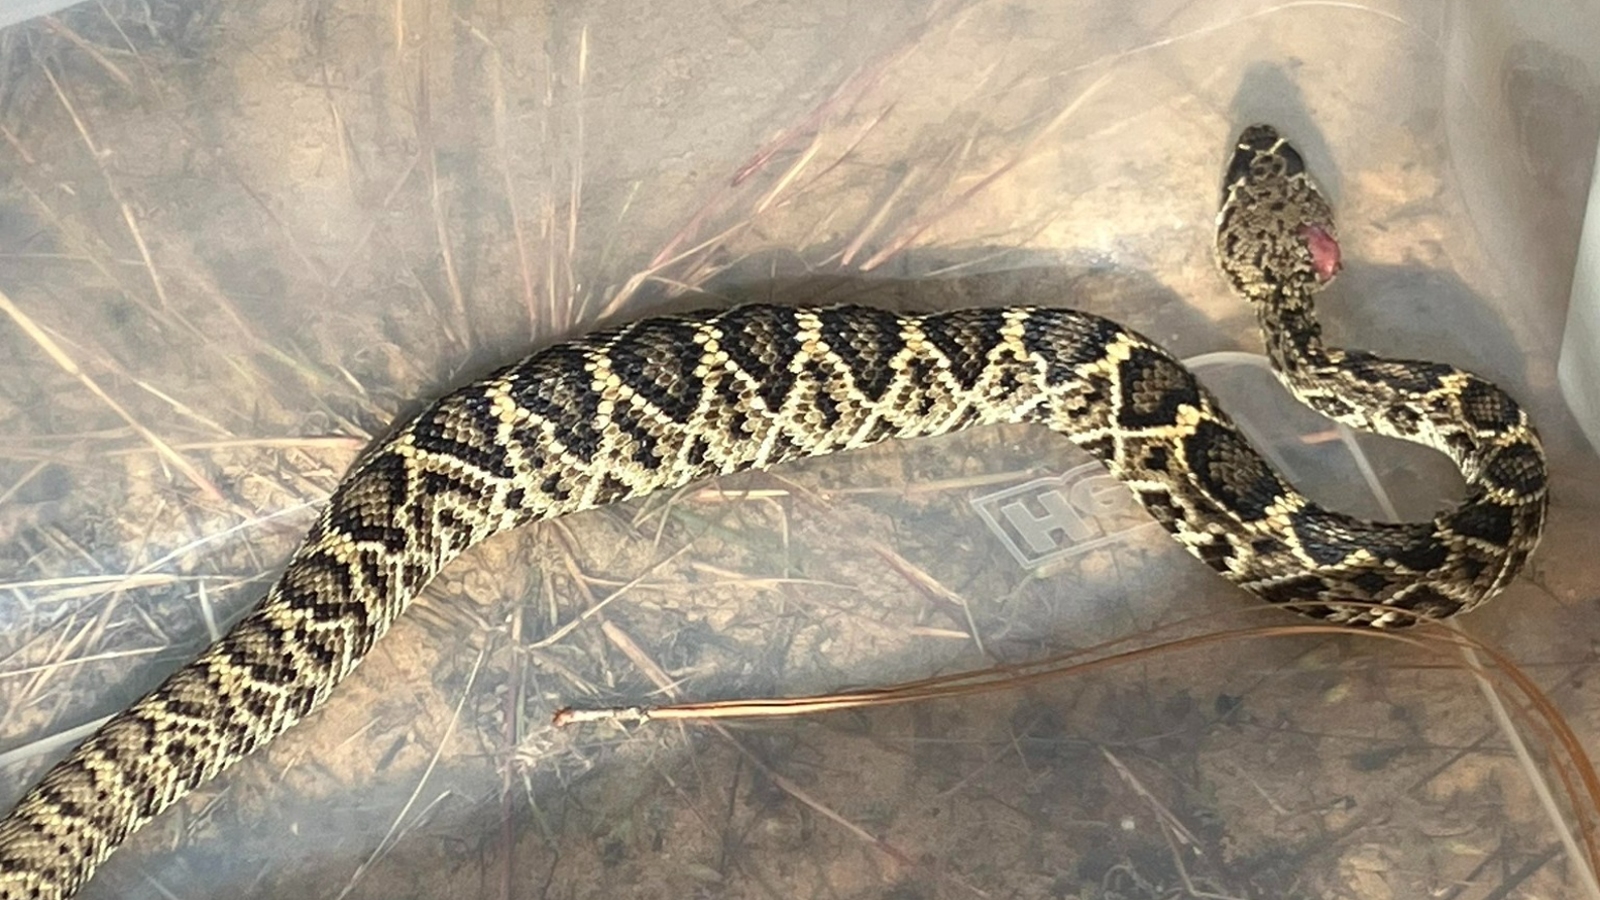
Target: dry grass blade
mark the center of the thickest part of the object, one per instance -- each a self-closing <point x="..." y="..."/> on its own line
<point x="598" y="607"/>
<point x="60" y="358"/>
<point x="1579" y="780"/>
<point x="436" y="196"/>
<point x="129" y="219"/>
<point x="916" y="228"/>
<point x="932" y="588"/>
<point x="385" y="845"/>
<point x="57" y="27"/>
<point x="664" y="683"/>
<point x="1571" y="762"/>
<point x="503" y="158"/>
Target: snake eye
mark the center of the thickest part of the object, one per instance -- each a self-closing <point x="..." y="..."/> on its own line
<point x="1238" y="167"/>
<point x="1325" y="257"/>
<point x="1293" y="163"/>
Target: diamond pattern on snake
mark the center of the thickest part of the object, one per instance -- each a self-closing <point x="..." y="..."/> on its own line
<point x="663" y="402"/>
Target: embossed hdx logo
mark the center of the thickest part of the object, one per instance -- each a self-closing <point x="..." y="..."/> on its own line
<point x="1049" y="519"/>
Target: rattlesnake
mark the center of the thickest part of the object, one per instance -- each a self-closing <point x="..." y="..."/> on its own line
<point x="666" y="401"/>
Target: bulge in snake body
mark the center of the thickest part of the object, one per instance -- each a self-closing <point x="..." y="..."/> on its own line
<point x="666" y="401"/>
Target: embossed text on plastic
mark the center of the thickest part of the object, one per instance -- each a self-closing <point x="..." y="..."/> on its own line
<point x="1048" y="519"/>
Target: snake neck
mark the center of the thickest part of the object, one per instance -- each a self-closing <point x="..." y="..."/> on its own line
<point x="1291" y="331"/>
<point x="1480" y="428"/>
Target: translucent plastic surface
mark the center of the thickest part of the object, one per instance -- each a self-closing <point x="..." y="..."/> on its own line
<point x="238" y="239"/>
<point x="13" y="11"/>
<point x="1580" y="345"/>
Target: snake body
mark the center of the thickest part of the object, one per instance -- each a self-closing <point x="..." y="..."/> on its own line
<point x="666" y="401"/>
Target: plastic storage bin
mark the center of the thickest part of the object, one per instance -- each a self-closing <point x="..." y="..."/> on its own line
<point x="14" y="11"/>
<point x="252" y="234"/>
<point x="1580" y="346"/>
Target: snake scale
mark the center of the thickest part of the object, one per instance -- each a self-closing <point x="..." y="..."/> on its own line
<point x="662" y="402"/>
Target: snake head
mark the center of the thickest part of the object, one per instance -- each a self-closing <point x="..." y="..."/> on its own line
<point x="1275" y="231"/>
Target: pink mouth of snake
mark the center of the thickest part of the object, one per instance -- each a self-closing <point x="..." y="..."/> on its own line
<point x="1324" y="251"/>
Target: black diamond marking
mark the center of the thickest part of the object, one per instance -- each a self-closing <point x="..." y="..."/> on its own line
<point x="186" y="708"/>
<point x="417" y="514"/>
<point x="412" y="576"/>
<point x="362" y="524"/>
<point x="1415" y="377"/>
<point x="728" y="391"/>
<point x="1371" y="584"/>
<point x="1485" y="521"/>
<point x="515" y="497"/>
<point x="68" y="806"/>
<point x="824" y="401"/>
<point x="1096" y="394"/>
<point x="1410" y="545"/>
<point x="1010" y="381"/>
<point x="1486" y="408"/>
<point x="657" y="358"/>
<point x="965" y="338"/>
<point x="1518" y="468"/>
<point x="1298" y="589"/>
<point x="1404" y="418"/>
<point x="298" y="593"/>
<point x="1323" y="537"/>
<point x="390" y="471"/>
<point x="324" y="563"/>
<point x="733" y="417"/>
<point x="365" y="508"/>
<point x="921" y="372"/>
<point x="1067" y="340"/>
<point x="439" y="431"/>
<point x="1425" y="600"/>
<point x="645" y="443"/>
<point x="867" y="340"/>
<point x="440" y="484"/>
<point x="537" y="456"/>
<point x="1459" y="443"/>
<point x="1152" y="389"/>
<point x="554" y="386"/>
<point x="267" y="674"/>
<point x="373" y="572"/>
<point x="1229" y="469"/>
<point x="761" y="341"/>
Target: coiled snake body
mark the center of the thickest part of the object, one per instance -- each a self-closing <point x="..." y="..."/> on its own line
<point x="665" y="401"/>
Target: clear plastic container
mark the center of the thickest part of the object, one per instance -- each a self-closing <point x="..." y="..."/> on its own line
<point x="1580" y="346"/>
<point x="239" y="238"/>
<point x="14" y="11"/>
